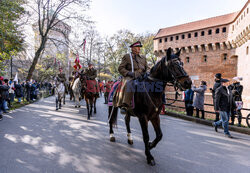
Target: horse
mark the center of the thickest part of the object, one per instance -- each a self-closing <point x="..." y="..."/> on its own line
<point x="89" y="93"/>
<point x="70" y="91"/>
<point x="148" y="99"/>
<point x="59" y="93"/>
<point x="76" y="88"/>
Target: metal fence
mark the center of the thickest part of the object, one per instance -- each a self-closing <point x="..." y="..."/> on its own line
<point x="247" y="118"/>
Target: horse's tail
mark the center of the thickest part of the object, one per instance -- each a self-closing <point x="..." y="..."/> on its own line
<point x="113" y="112"/>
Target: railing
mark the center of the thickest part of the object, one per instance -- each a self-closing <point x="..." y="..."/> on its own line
<point x="206" y="104"/>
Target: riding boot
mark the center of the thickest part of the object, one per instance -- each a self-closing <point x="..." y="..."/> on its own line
<point x="202" y="114"/>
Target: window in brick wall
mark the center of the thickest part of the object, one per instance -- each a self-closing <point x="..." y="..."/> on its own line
<point x="160" y="41"/>
<point x="224" y="56"/>
<point x="177" y="37"/>
<point x="196" y="34"/>
<point x="224" y="29"/>
<point x="210" y="32"/>
<point x="247" y="50"/>
<point x="171" y="38"/>
<point x="217" y="31"/>
<point x="205" y="58"/>
<point x="166" y="39"/>
<point x="183" y="36"/>
<point x="189" y="35"/>
<point x="202" y="33"/>
<point x="187" y="60"/>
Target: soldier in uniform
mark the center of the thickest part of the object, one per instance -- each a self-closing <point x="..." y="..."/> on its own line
<point x="91" y="73"/>
<point x="124" y="97"/>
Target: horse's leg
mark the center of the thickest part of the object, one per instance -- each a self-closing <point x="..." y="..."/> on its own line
<point x="95" y="105"/>
<point x="156" y="124"/>
<point x="87" y="102"/>
<point x="112" y="118"/>
<point x="144" y="126"/>
<point x="60" y="102"/>
<point x="64" y="97"/>
<point x="129" y="135"/>
<point x="56" y="102"/>
<point x="91" y="105"/>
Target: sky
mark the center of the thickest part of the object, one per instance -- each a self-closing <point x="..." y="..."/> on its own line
<point x="141" y="16"/>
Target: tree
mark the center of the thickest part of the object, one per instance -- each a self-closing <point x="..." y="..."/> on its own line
<point x="51" y="13"/>
<point x="11" y="38"/>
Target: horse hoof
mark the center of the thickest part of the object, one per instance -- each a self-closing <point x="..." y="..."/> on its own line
<point x="75" y="106"/>
<point x="112" y="139"/>
<point x="151" y="162"/>
<point x="56" y="109"/>
<point x="130" y="142"/>
<point x="79" y="106"/>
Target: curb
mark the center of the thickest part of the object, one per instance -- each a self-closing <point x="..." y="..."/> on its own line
<point x="208" y="122"/>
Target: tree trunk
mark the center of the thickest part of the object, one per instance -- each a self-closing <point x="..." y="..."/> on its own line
<point x="35" y="60"/>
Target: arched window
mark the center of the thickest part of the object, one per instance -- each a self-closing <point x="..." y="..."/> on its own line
<point x="210" y="32"/>
<point x="177" y="37"/>
<point x="189" y="35"/>
<point x="187" y="60"/>
<point x="183" y="36"/>
<point x="171" y="38"/>
<point x="202" y="33"/>
<point x="224" y="29"/>
<point x="160" y="41"/>
<point x="247" y="50"/>
<point x="166" y="39"/>
<point x="217" y="31"/>
<point x="205" y="58"/>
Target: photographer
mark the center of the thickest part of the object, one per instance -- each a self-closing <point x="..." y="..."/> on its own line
<point x="237" y="90"/>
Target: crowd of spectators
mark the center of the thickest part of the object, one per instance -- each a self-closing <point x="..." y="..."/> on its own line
<point x="24" y="91"/>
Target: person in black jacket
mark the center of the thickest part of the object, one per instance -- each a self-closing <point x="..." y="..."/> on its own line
<point x="217" y="84"/>
<point x="237" y="90"/>
<point x="4" y="92"/>
<point x="223" y="104"/>
<point x="27" y="90"/>
<point x="18" y="91"/>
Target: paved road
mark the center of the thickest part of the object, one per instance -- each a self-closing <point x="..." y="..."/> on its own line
<point x="36" y="138"/>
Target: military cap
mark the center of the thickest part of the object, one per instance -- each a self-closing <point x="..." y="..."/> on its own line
<point x="136" y="44"/>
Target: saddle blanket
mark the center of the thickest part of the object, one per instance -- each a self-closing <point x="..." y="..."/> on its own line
<point x="92" y="86"/>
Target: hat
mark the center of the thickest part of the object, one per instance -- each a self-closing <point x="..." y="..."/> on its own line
<point x="224" y="80"/>
<point x="218" y="75"/>
<point x="136" y="44"/>
<point x="238" y="79"/>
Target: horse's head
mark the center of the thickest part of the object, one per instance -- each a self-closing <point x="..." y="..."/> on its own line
<point x="171" y="70"/>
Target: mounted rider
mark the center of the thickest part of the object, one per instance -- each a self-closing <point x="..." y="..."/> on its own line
<point x="77" y="68"/>
<point x="91" y="74"/>
<point x="60" y="82"/>
<point x="124" y="97"/>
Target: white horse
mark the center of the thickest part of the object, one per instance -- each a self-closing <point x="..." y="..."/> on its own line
<point x="76" y="88"/>
<point x="60" y="93"/>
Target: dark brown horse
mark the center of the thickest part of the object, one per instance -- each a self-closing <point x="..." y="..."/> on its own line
<point x="88" y="94"/>
<point x="148" y="99"/>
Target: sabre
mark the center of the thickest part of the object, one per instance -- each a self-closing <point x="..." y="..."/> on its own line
<point x="130" y="55"/>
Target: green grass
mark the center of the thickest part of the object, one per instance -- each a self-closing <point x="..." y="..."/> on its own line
<point x="16" y="105"/>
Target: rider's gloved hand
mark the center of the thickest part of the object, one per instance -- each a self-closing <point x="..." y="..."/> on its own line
<point x="131" y="74"/>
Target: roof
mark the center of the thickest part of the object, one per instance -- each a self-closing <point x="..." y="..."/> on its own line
<point x="197" y="25"/>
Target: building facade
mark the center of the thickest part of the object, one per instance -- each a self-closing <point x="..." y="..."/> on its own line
<point x="215" y="45"/>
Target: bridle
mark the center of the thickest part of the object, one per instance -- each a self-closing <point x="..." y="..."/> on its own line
<point x="175" y="76"/>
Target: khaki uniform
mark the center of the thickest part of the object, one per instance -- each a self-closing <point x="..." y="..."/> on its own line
<point x="124" y="97"/>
